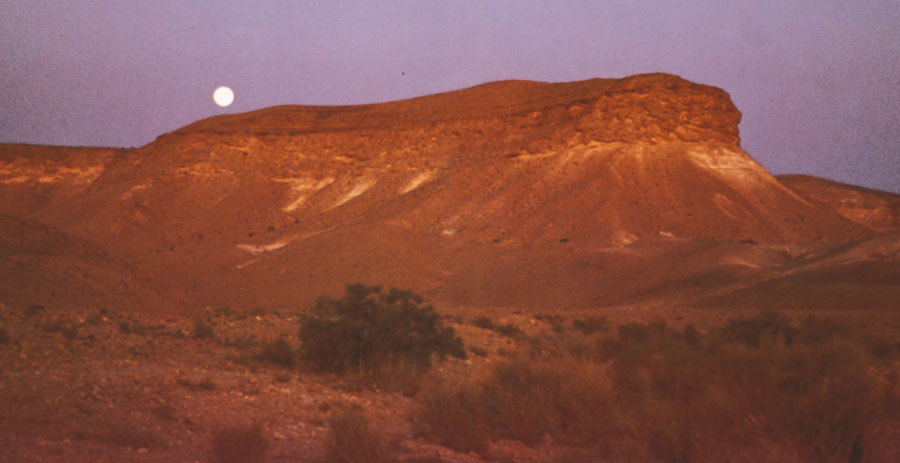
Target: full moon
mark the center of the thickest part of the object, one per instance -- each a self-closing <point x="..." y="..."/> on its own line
<point x="223" y="96"/>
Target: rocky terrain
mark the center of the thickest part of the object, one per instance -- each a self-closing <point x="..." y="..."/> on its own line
<point x="630" y="198"/>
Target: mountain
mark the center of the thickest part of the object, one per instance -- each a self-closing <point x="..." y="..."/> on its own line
<point x="514" y="194"/>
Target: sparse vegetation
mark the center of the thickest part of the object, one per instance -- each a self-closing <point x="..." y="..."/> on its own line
<point x="4" y="336"/>
<point x="556" y="321"/>
<point x="202" y="329"/>
<point x="479" y="351"/>
<point x="279" y="352"/>
<point x="369" y="331"/>
<point x="205" y="385"/>
<point x="239" y="444"/>
<point x="591" y="325"/>
<point x="132" y="327"/>
<point x="507" y="329"/>
<point x="98" y="317"/>
<point x="649" y="392"/>
<point x="352" y="440"/>
<point x="242" y="341"/>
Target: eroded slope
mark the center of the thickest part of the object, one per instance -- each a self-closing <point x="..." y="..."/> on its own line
<point x="510" y="193"/>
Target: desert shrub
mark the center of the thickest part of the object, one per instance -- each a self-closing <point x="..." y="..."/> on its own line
<point x="815" y="329"/>
<point x="819" y="398"/>
<point x="98" y="317"/>
<point x="279" y="352"/>
<point x="351" y="440"/>
<point x="479" y="351"/>
<point x="132" y="327"/>
<point x="202" y="329"/>
<point x="239" y="444"/>
<point x="591" y="325"/>
<point x="754" y="386"/>
<point x="765" y="327"/>
<point x="555" y="321"/>
<point x="368" y="330"/>
<point x="4" y="336"/>
<point x="455" y="417"/>
<point x="205" y="385"/>
<point x="879" y="341"/>
<point x="524" y="400"/>
<point x="531" y="399"/>
<point x="507" y="330"/>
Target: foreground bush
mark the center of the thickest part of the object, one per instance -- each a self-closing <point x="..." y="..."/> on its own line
<point x="524" y="400"/>
<point x="758" y="388"/>
<point x="369" y="330"/>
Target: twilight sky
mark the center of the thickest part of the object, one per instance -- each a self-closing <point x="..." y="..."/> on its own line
<point x="818" y="81"/>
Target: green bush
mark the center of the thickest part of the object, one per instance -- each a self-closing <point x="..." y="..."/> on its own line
<point x="368" y="330"/>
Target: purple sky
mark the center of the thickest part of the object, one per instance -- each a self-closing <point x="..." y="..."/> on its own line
<point x="818" y="81"/>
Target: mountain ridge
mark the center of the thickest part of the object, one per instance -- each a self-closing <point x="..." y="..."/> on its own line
<point x="511" y="194"/>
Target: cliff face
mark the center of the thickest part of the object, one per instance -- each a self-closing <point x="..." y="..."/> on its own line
<point x="508" y="193"/>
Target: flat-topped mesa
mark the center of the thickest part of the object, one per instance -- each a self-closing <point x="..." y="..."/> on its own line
<point x="662" y="108"/>
<point x="507" y="194"/>
<point x="647" y="108"/>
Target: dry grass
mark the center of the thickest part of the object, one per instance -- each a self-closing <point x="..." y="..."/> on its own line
<point x="352" y="440"/>
<point x="815" y="390"/>
<point x="591" y="325"/>
<point x="488" y="324"/>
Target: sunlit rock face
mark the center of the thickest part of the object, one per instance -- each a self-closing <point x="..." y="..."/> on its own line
<point x="510" y="193"/>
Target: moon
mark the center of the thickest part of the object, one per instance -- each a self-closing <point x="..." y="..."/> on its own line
<point x="223" y="96"/>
